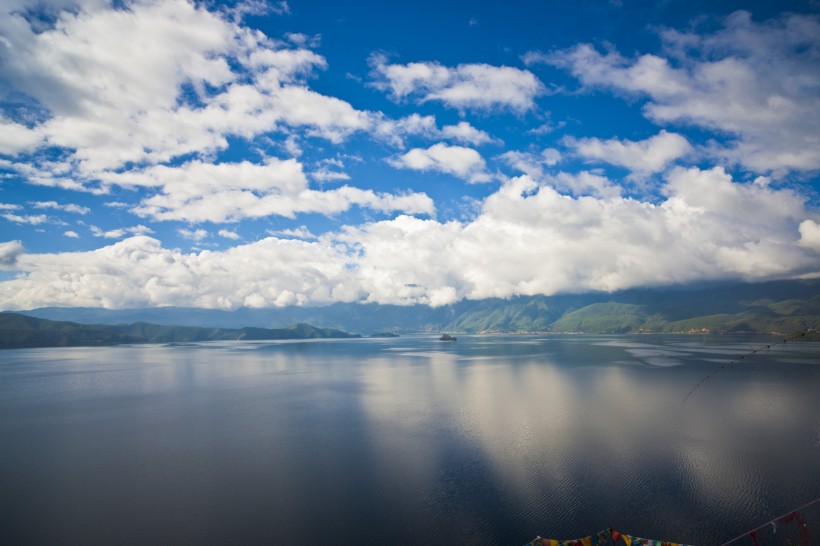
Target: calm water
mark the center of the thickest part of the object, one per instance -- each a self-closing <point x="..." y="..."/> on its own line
<point x="490" y="440"/>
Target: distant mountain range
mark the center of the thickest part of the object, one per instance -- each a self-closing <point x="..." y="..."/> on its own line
<point x="18" y="330"/>
<point x="779" y="306"/>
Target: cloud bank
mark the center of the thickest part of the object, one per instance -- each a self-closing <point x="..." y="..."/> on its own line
<point x="527" y="239"/>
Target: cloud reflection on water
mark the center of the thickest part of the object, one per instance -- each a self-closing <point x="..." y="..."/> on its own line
<point x="582" y="439"/>
<point x="490" y="439"/>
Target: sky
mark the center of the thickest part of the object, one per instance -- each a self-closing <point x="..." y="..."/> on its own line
<point x="303" y="152"/>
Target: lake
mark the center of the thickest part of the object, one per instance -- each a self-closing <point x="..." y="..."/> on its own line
<point x="488" y="440"/>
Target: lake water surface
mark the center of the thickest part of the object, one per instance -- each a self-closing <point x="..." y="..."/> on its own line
<point x="489" y="440"/>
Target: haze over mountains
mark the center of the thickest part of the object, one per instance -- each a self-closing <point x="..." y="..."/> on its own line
<point x="780" y="307"/>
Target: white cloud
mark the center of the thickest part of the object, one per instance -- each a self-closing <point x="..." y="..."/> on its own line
<point x="466" y="86"/>
<point x="193" y="235"/>
<point x="583" y="183"/>
<point x="197" y="192"/>
<point x="139" y="272"/>
<point x="464" y="163"/>
<point x="531" y="163"/>
<point x="54" y="174"/>
<point x="395" y="132"/>
<point x="228" y="234"/>
<point x="528" y="238"/>
<point x="118" y="233"/>
<point x="284" y="65"/>
<point x="257" y="8"/>
<point x="302" y="232"/>
<point x="466" y="133"/>
<point x="303" y="40"/>
<point x="9" y="252"/>
<point x="16" y="138"/>
<point x="72" y="234"/>
<point x="754" y="81"/>
<point x="156" y="80"/>
<point x="68" y="207"/>
<point x="323" y="116"/>
<point x="326" y="175"/>
<point x="810" y="234"/>
<point x="30" y="219"/>
<point x="643" y="157"/>
<point x="532" y="239"/>
<point x="97" y="69"/>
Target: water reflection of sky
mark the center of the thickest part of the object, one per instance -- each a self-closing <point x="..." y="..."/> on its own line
<point x="490" y="439"/>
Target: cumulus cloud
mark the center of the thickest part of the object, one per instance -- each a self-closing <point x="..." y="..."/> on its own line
<point x="466" y="133"/>
<point x="583" y="183"/>
<point x="16" y="137"/>
<point x="9" y="252"/>
<point x="532" y="239"/>
<point x="810" y="234"/>
<point x="461" y="162"/>
<point x="156" y="80"/>
<point x="6" y="213"/>
<point x="124" y="93"/>
<point x="193" y="234"/>
<point x="755" y="81"/>
<point x="528" y="238"/>
<point x="119" y="233"/>
<point x="257" y="8"/>
<point x="198" y="192"/>
<point x="395" y="132"/>
<point x="67" y="207"/>
<point x="228" y="234"/>
<point x="302" y="232"/>
<point x="324" y="174"/>
<point x="30" y="219"/>
<point x="536" y="167"/>
<point x="97" y="69"/>
<point x="643" y="157"/>
<point x="466" y="86"/>
<point x="531" y="163"/>
<point x="53" y="174"/>
<point x="139" y="272"/>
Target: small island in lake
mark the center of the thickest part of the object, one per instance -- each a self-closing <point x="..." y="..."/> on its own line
<point x="447" y="337"/>
<point x="384" y="334"/>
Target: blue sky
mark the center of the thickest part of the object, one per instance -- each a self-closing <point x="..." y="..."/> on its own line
<point x="254" y="153"/>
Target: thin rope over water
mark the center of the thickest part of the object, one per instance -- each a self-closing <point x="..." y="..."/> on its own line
<point x="787" y="515"/>
<point x="720" y="368"/>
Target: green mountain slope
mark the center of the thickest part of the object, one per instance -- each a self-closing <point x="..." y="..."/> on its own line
<point x="783" y="307"/>
<point x="18" y="330"/>
<point x="610" y="317"/>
